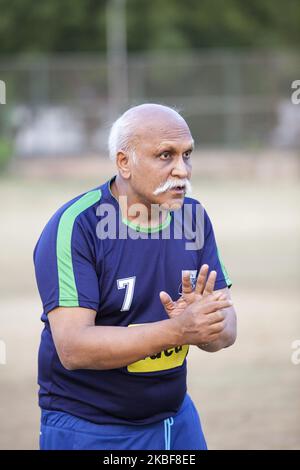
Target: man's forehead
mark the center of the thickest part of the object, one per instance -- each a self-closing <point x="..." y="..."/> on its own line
<point x="167" y="138"/>
<point x="164" y="132"/>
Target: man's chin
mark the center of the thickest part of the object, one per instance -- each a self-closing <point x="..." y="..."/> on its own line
<point x="173" y="204"/>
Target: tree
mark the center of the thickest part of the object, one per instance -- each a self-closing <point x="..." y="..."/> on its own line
<point x="79" y="26"/>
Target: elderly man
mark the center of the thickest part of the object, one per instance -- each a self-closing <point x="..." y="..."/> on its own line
<point x="129" y="279"/>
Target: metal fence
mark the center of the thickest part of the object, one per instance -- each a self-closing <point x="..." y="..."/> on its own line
<point x="64" y="105"/>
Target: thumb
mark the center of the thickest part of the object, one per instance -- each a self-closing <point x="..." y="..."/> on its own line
<point x="166" y="301"/>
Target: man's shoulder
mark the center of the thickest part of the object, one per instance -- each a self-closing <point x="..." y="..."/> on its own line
<point x="194" y="204"/>
<point x="78" y="205"/>
<point x="192" y="201"/>
<point x="194" y="208"/>
<point x="79" y="210"/>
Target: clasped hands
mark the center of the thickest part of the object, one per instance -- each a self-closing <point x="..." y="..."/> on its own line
<point x="199" y="311"/>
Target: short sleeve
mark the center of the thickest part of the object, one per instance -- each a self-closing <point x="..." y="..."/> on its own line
<point x="65" y="265"/>
<point x="210" y="255"/>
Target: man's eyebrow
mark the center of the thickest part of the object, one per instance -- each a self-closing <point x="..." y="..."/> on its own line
<point x="169" y="146"/>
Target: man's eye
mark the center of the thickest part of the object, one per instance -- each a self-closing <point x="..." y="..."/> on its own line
<point x="165" y="155"/>
<point x="187" y="155"/>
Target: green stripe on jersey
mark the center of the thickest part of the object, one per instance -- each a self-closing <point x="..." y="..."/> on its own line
<point x="149" y="229"/>
<point x="225" y="273"/>
<point x="68" y="295"/>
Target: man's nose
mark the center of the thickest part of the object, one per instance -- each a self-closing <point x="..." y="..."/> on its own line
<point x="180" y="169"/>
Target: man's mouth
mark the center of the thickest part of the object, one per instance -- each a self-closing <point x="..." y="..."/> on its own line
<point x="178" y="190"/>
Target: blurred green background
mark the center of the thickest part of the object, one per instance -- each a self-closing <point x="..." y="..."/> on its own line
<point x="70" y="68"/>
<point x="73" y="26"/>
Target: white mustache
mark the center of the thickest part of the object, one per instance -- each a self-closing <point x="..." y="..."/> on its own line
<point x="173" y="183"/>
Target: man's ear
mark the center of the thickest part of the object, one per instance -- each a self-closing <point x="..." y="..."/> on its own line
<point x="123" y="164"/>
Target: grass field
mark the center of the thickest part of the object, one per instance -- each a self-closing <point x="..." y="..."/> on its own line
<point x="248" y="395"/>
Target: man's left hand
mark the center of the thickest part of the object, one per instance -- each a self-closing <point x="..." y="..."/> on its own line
<point x="204" y="292"/>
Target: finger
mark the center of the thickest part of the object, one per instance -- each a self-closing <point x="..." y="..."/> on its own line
<point x="215" y="305"/>
<point x="200" y="284"/>
<point x="218" y="295"/>
<point x="217" y="328"/>
<point x="166" y="300"/>
<point x="215" y="317"/>
<point x="210" y="284"/>
<point x="187" y="287"/>
<point x="213" y="337"/>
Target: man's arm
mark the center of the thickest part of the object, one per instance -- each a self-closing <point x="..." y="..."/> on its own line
<point x="81" y="344"/>
<point x="228" y="335"/>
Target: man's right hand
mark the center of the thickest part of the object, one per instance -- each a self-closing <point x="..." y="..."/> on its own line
<point x="198" y="310"/>
<point x="202" y="322"/>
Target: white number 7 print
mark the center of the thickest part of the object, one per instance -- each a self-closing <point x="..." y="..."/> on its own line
<point x="128" y="284"/>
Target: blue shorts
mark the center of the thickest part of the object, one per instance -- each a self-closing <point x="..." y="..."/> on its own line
<point x="62" y="431"/>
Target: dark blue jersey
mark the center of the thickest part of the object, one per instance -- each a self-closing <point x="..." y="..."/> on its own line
<point x="89" y="256"/>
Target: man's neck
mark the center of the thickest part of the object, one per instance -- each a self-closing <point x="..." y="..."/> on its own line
<point x="136" y="209"/>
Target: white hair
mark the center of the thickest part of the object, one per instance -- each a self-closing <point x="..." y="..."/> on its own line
<point x="120" y="136"/>
<point x="122" y="131"/>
